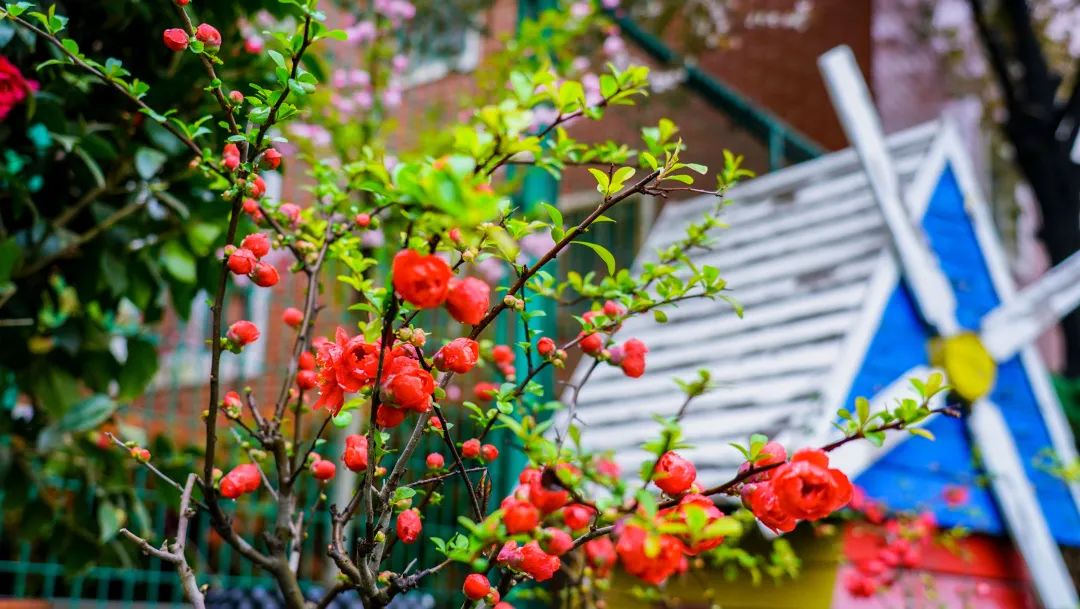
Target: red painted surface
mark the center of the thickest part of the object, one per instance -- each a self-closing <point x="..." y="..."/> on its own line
<point x="980" y="572"/>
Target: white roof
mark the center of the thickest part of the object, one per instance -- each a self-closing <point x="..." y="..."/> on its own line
<point x="800" y="255"/>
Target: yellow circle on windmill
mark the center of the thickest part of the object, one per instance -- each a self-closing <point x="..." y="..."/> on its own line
<point x="968" y="365"/>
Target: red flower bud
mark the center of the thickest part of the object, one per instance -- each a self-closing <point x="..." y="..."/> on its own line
<point x="409" y="526"/>
<point x="592" y="344"/>
<point x="209" y="36"/>
<point x="363" y="220"/>
<point x="232" y="400"/>
<point x="307" y="379"/>
<point x="545" y="346"/>
<point x="519" y="515"/>
<point x="323" y="469"/>
<point x="577" y="516"/>
<point x="435" y="460"/>
<point x="257" y="243"/>
<point x="454" y="234"/>
<point x="485" y="391"/>
<point x="459" y="355"/>
<point x="470" y="449"/>
<point x="468" y="300"/>
<point x="502" y="354"/>
<point x="257" y="187"/>
<point x="290" y="211"/>
<point x="271" y="158"/>
<point x="537" y="563"/>
<point x="489" y="452"/>
<point x="356" y="453"/>
<point x="388" y="416"/>
<point x="306" y="361"/>
<point x="242" y="333"/>
<point x="558" y="542"/>
<point x="674" y="474"/>
<point x="613" y="309"/>
<point x="242" y="262"/>
<point x="476" y="586"/>
<point x="251" y="207"/>
<point x="422" y="281"/>
<point x="242" y="479"/>
<point x="264" y="275"/>
<point x="140" y="454"/>
<point x="633" y="359"/>
<point x="236" y="97"/>
<point x="292" y="317"/>
<point x="176" y="39"/>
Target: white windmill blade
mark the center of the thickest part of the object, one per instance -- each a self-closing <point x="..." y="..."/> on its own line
<point x="1017" y="499"/>
<point x="850" y="96"/>
<point x="1020" y="320"/>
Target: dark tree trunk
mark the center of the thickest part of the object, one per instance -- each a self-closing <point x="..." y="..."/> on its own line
<point x="1042" y="131"/>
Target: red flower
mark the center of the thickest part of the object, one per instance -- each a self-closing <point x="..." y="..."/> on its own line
<point x="519" y="516"/>
<point x="510" y="554"/>
<point x="468" y="300"/>
<point x="459" y="355"/>
<point x="388" y="416"/>
<point x="577" y="516"/>
<point x="356" y="452"/>
<point x="592" y="344"/>
<point x="548" y="500"/>
<point x="409" y="526"/>
<point x="600" y="553"/>
<point x="13" y="87"/>
<point x="956" y="496"/>
<point x="558" y="542"/>
<point x="502" y="354"/>
<point x="256" y="243"/>
<point x="545" y="346"/>
<point x="476" y="586"/>
<point x="175" y="38"/>
<point x="242" y="333"/>
<point x="859" y="585"/>
<point x="650" y="560"/>
<point x="257" y="187"/>
<point x="209" y="36"/>
<point x="323" y="469"/>
<point x="674" y="474"/>
<point x="435" y="461"/>
<point x="264" y="275"/>
<point x="608" y="468"/>
<point x="406" y="385"/>
<point x="633" y="361"/>
<point x="241" y="262"/>
<point x="421" y="280"/>
<point x="470" y="449"/>
<point x="242" y="479"/>
<point x="307" y="379"/>
<point x="808" y="489"/>
<point x="764" y="503"/>
<point x="485" y="391"/>
<point x="489" y="452"/>
<point x="538" y="563"/>
<point x="770" y="454"/>
<point x="271" y="158"/>
<point x="292" y="317"/>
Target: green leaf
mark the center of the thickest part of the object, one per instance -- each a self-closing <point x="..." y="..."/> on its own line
<point x="602" y="181"/>
<point x="110" y="520"/>
<point x="862" y="408"/>
<point x="178" y="262"/>
<point x="921" y="432"/>
<point x="601" y="251"/>
<point x="342" y="420"/>
<point x="148" y="162"/>
<point x="138" y="370"/>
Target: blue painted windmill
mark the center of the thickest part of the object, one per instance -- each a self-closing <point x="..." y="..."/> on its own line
<point x="858" y="271"/>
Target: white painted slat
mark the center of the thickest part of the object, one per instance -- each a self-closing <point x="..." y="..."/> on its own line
<point x="1017" y="499"/>
<point x="788" y="387"/>
<point x="851" y="97"/>
<point x="699" y="427"/>
<point x="1021" y="319"/>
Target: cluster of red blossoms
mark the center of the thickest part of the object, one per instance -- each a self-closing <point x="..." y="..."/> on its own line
<point x="428" y="282"/>
<point x="176" y="39"/>
<point x="347" y="365"/>
<point x="804" y="488"/>
<point x="630" y="356"/>
<point x="247" y="260"/>
<point x="652" y="555"/>
<point x="898" y="540"/>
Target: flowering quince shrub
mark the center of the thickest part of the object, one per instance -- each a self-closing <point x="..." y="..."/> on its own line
<point x="434" y="217"/>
